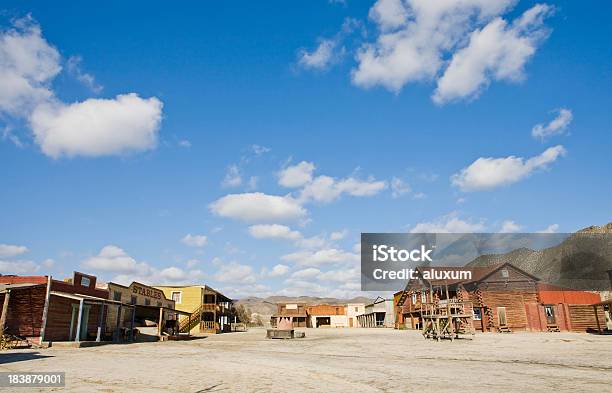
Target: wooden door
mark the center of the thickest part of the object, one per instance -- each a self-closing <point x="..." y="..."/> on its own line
<point x="501" y="316"/>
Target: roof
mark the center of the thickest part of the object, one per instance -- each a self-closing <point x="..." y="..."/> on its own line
<point x="205" y="287"/>
<point x="11" y="287"/>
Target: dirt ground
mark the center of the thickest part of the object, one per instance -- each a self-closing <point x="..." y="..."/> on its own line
<point x="333" y="360"/>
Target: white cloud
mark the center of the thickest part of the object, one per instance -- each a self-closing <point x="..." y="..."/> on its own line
<point x="259" y="150"/>
<point x="114" y="259"/>
<point x="74" y="67"/>
<point x="93" y="127"/>
<point x="321" y="57"/>
<point x="235" y="273"/>
<point x="97" y="127"/>
<point x="184" y="143"/>
<point x="338" y="235"/>
<point x="257" y="206"/>
<point x="48" y="263"/>
<point x="306" y="274"/>
<point x="557" y="126"/>
<point x="279" y="270"/>
<point x="510" y="226"/>
<point x="553" y="228"/>
<point x="297" y="175"/>
<point x="488" y="172"/>
<point x="28" y="64"/>
<point x="312" y="242"/>
<point x="320" y="257"/>
<point x="399" y="187"/>
<point x="421" y="41"/>
<point x="232" y="178"/>
<point x="11" y="250"/>
<point x="273" y="231"/>
<point x="18" y="267"/>
<point x="498" y="51"/>
<point x="448" y="224"/>
<point x="326" y="189"/>
<point x="252" y="183"/>
<point x="195" y="240"/>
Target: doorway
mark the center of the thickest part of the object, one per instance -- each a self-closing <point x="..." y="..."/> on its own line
<point x="549" y="311"/>
<point x="323" y="321"/>
<point x="501" y="316"/>
<point x="74" y="322"/>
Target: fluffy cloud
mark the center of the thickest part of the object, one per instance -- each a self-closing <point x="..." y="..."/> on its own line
<point x="279" y="270"/>
<point x="399" y="187"/>
<point x="297" y="175"/>
<point x="338" y="235"/>
<point x="257" y="206"/>
<point x="488" y="172"/>
<point x="11" y="250"/>
<point x="232" y="178"/>
<point x="448" y="224"/>
<point x="426" y="40"/>
<point x="195" y="240"/>
<point x="320" y="257"/>
<point x="510" y="226"/>
<point x="114" y="259"/>
<point x="321" y="57"/>
<point x="498" y="51"/>
<point x="93" y="127"/>
<point x="18" y="267"/>
<point x="553" y="228"/>
<point x="273" y="231"/>
<point x="235" y="273"/>
<point x="28" y="64"/>
<point x="97" y="127"/>
<point x="74" y="67"/>
<point x="557" y="126"/>
<point x="326" y="189"/>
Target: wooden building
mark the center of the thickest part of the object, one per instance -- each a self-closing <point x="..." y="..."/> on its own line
<point x="41" y="309"/>
<point x="503" y="297"/>
<point x="294" y="313"/>
<point x="210" y="310"/>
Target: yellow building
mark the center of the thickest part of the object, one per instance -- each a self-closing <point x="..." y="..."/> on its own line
<point x="211" y="310"/>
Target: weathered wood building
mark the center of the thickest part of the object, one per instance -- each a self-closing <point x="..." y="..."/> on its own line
<point x="294" y="313"/>
<point x="504" y="298"/>
<point x="379" y="313"/>
<point x="327" y="315"/>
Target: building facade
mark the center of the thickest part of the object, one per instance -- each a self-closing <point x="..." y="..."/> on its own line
<point x="379" y="313"/>
<point x="326" y="315"/>
<point x="353" y="310"/>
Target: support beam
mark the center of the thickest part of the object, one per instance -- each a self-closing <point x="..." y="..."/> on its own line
<point x="597" y="320"/>
<point x="159" y="323"/>
<point x="100" y="323"/>
<point x="132" y="339"/>
<point x="43" y="325"/>
<point x="7" y="299"/>
<point x="116" y="336"/>
<point x="77" y="335"/>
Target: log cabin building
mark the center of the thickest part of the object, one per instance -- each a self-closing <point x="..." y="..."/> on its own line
<point x="503" y="298"/>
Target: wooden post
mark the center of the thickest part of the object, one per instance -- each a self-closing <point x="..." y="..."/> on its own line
<point x="7" y="298"/>
<point x="77" y="336"/>
<point x="188" y="324"/>
<point x="159" y="324"/>
<point x="597" y="320"/>
<point x="132" y="323"/>
<point x="43" y="325"/>
<point x="100" y="323"/>
<point x="117" y="324"/>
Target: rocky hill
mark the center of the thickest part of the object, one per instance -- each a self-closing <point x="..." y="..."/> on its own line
<point x="581" y="261"/>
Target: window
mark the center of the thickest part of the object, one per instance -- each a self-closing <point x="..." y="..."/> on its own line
<point x="356" y="309"/>
<point x="478" y="314"/>
<point x="147" y="302"/>
<point x="177" y="297"/>
<point x="85" y="281"/>
<point x="548" y="310"/>
<point x="504" y="273"/>
<point x="414" y="298"/>
<point x="423" y="297"/>
<point x="117" y="296"/>
<point x="134" y="299"/>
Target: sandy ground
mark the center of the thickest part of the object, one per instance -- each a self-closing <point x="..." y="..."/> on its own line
<point x="333" y="360"/>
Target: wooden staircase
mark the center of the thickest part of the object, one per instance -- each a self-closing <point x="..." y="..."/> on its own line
<point x="187" y="324"/>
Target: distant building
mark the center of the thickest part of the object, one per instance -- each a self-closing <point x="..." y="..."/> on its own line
<point x="326" y="315"/>
<point x="379" y="313"/>
<point x="295" y="313"/>
<point x="353" y="310"/>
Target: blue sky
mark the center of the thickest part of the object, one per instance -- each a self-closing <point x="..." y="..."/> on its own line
<point x="275" y="134"/>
